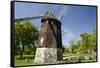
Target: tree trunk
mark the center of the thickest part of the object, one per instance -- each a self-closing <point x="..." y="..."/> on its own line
<point x="22" y="50"/>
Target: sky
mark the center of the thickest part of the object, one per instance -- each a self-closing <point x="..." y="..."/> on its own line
<point x="76" y="19"/>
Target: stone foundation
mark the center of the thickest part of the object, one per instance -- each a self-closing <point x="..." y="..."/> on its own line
<point x="48" y="55"/>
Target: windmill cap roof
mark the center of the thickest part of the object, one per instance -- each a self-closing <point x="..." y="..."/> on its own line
<point x="49" y="14"/>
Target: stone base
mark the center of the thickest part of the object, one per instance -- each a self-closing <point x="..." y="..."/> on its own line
<point x="48" y="55"/>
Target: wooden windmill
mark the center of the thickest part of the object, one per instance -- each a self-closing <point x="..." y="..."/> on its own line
<point x="50" y="38"/>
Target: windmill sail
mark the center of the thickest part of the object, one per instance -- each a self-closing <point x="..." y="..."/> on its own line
<point x="62" y="12"/>
<point x="28" y="18"/>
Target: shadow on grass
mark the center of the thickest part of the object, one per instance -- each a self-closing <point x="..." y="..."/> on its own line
<point x="24" y="57"/>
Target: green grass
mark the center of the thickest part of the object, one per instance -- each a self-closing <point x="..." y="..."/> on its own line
<point x="26" y="60"/>
<point x="88" y="60"/>
<point x="29" y="59"/>
<point x="77" y="56"/>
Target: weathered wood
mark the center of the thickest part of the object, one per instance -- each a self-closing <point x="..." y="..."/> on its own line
<point x="50" y="41"/>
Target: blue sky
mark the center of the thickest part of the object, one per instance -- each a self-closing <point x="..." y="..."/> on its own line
<point x="76" y="19"/>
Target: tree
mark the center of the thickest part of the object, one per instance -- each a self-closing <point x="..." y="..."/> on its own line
<point x="77" y="48"/>
<point x="93" y="39"/>
<point x="85" y="41"/>
<point x="66" y="50"/>
<point x="88" y="42"/>
<point x="26" y="35"/>
<point x="72" y="46"/>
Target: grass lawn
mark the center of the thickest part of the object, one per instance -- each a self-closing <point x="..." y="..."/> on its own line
<point x="26" y="60"/>
<point x="29" y="59"/>
<point x="77" y="56"/>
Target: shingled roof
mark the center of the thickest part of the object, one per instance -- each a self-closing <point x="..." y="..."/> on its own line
<point x="49" y="14"/>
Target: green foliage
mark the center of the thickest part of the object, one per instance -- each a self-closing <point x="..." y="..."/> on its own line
<point x="26" y="35"/>
<point x="66" y="50"/>
<point x="87" y="44"/>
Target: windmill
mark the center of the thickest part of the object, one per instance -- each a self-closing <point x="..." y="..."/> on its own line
<point x="50" y="41"/>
